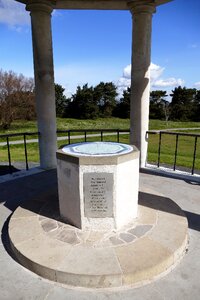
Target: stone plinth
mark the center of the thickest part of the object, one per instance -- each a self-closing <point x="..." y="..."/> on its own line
<point x="129" y="257"/>
<point x="98" y="184"/>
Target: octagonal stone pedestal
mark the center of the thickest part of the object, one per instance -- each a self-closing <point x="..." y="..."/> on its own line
<point x="98" y="184"/>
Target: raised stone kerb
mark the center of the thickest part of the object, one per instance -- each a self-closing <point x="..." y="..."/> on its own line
<point x="129" y="257"/>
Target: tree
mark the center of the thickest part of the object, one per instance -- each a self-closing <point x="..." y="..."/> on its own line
<point x="83" y="104"/>
<point x="159" y="107"/>
<point x="122" y="109"/>
<point x="183" y="104"/>
<point x="16" y="98"/>
<point x="105" y="96"/>
<point x="60" y="99"/>
<point x="196" y="110"/>
<point x="166" y="108"/>
<point x="23" y="104"/>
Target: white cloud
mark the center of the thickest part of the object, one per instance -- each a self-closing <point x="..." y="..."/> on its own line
<point x="156" y="72"/>
<point x="197" y="84"/>
<point x="122" y="84"/>
<point x="13" y="14"/>
<point x="125" y="81"/>
<point x="127" y="72"/>
<point x="169" y="82"/>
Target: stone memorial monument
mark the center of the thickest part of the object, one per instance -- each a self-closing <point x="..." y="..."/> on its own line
<point x="96" y="234"/>
<point x="98" y="184"/>
<point x="100" y="241"/>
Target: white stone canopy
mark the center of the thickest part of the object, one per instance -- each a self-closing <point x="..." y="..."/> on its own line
<point x="40" y="11"/>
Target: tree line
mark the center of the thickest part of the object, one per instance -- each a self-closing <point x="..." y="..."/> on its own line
<point x="184" y="105"/>
<point x="103" y="101"/>
<point x="17" y="101"/>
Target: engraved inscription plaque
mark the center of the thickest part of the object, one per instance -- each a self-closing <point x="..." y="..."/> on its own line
<point x="98" y="195"/>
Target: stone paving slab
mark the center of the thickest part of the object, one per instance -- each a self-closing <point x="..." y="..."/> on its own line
<point x="182" y="283"/>
<point x="135" y="254"/>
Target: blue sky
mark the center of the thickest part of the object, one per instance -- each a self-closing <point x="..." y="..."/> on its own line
<point x="94" y="46"/>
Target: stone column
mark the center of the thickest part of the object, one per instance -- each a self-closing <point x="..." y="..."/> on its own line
<point x="40" y="12"/>
<point x="140" y="75"/>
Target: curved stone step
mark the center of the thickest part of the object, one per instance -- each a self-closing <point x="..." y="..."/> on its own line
<point x="140" y="252"/>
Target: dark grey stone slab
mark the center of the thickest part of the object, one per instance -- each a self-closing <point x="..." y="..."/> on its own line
<point x="127" y="237"/>
<point x="140" y="230"/>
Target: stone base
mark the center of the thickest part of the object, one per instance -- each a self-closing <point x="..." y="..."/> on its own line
<point x="133" y="255"/>
<point x="98" y="192"/>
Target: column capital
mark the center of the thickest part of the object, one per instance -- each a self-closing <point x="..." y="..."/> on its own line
<point x="40" y="5"/>
<point x="142" y="6"/>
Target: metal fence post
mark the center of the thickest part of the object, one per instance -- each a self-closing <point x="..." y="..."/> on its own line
<point x="159" y="148"/>
<point x="194" y="155"/>
<point x="25" y="152"/>
<point x="176" y="150"/>
<point x="9" y="156"/>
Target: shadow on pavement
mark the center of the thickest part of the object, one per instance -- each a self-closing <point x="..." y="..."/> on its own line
<point x="39" y="193"/>
<point x="167" y="205"/>
<point x="4" y="170"/>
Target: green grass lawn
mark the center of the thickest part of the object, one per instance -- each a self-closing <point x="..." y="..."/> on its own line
<point x="185" y="149"/>
<point x="184" y="154"/>
<point x="160" y="125"/>
<point x="66" y="124"/>
<point x="110" y="123"/>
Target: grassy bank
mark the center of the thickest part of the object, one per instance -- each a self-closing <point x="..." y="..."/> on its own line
<point x="65" y="124"/>
<point x="110" y="123"/>
<point x="185" y="149"/>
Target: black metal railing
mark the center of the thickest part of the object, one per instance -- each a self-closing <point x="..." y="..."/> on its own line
<point x="177" y="135"/>
<point x="95" y="134"/>
<point x="92" y="133"/>
<point x="70" y="134"/>
<point x="8" y="143"/>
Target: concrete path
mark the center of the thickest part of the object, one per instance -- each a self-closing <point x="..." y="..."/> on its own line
<point x="74" y="137"/>
<point x="181" y="129"/>
<point x="62" y="138"/>
<point x="17" y="283"/>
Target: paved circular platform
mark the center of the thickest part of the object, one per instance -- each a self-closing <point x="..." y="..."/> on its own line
<point x="134" y="255"/>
